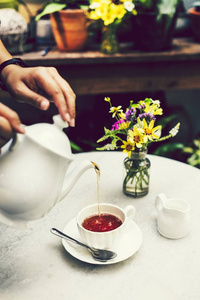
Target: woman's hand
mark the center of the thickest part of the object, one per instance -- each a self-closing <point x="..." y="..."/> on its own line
<point x="9" y="123"/>
<point x="38" y="86"/>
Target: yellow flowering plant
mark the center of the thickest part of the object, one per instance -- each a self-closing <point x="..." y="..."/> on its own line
<point x="133" y="131"/>
<point x="110" y="11"/>
<point x="135" y="128"/>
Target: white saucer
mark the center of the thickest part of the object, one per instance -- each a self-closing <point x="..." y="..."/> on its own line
<point x="127" y="246"/>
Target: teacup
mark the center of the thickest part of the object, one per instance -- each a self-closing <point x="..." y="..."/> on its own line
<point x="104" y="239"/>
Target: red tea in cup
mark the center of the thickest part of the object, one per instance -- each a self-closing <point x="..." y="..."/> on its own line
<point x="101" y="223"/>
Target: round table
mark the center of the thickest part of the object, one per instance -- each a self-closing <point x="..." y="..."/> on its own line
<point x="35" y="265"/>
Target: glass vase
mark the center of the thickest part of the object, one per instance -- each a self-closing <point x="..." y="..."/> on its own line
<point x="109" y="44"/>
<point x="137" y="173"/>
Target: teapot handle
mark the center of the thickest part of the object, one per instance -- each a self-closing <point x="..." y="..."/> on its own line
<point x="17" y="138"/>
<point x="14" y="142"/>
<point x="159" y="202"/>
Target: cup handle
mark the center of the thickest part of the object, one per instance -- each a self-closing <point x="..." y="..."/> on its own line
<point x="130" y="211"/>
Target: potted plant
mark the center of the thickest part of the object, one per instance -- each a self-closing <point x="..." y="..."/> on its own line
<point x="69" y="23"/>
<point x="194" y="13"/>
<point x="154" y="24"/>
<point x="109" y="14"/>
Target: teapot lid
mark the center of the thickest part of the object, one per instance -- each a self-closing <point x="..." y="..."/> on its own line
<point x="51" y="136"/>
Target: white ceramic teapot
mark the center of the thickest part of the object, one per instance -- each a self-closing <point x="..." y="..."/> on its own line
<point x="173" y="216"/>
<point x="33" y="174"/>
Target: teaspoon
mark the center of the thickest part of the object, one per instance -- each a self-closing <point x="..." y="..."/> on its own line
<point x="97" y="254"/>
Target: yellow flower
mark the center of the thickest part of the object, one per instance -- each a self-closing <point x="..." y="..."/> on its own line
<point x="108" y="17"/>
<point x="122" y="115"/>
<point x="128" y="147"/>
<point x="118" y="10"/>
<point x="153" y="108"/>
<point x="107" y="99"/>
<point x="108" y="11"/>
<point x="124" y="125"/>
<point x="150" y="131"/>
<point x="115" y="110"/>
<point x="99" y="9"/>
<point x="141" y="103"/>
<point x="93" y="15"/>
<point x="136" y="136"/>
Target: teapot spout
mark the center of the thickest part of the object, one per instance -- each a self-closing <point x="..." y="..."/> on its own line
<point x="96" y="167"/>
<point x="72" y="177"/>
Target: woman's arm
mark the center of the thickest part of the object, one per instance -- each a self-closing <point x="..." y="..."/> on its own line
<point x="38" y="86"/>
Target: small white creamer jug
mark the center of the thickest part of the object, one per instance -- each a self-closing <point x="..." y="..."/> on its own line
<point x="173" y="216"/>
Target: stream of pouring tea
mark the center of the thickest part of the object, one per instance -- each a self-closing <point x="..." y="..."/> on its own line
<point x="97" y="170"/>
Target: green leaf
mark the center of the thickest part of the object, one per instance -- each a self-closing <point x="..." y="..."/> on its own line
<point x="103" y="138"/>
<point x="49" y="9"/>
<point x="168" y="148"/>
<point x="101" y="148"/>
<point x="188" y="150"/>
<point x="76" y="147"/>
<point x="114" y="143"/>
<point x="135" y="105"/>
<point x="107" y="131"/>
<point x="197" y="143"/>
<point x="106" y="147"/>
<point x="167" y="7"/>
<point x="148" y="100"/>
<point x="194" y="160"/>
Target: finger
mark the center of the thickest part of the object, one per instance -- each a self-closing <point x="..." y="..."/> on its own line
<point x="42" y="83"/>
<point x="12" y="118"/>
<point x="6" y="131"/>
<point x="51" y="88"/>
<point x="68" y="93"/>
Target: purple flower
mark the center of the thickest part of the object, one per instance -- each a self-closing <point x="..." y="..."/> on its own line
<point x="130" y="113"/>
<point x="142" y="106"/>
<point x="116" y="124"/>
<point x="147" y="116"/>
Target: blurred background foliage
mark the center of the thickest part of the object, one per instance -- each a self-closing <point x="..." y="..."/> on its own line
<point x="92" y="116"/>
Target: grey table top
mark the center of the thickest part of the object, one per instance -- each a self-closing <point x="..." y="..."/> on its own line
<point x="35" y="265"/>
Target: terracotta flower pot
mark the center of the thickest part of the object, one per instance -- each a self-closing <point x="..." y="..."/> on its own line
<point x="195" y="22"/>
<point x="70" y="29"/>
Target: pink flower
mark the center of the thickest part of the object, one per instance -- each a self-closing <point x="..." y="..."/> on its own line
<point x="116" y="124"/>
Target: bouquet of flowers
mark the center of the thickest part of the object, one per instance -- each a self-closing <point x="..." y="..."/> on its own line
<point x="133" y="131"/>
<point x="109" y="14"/>
<point x="109" y="11"/>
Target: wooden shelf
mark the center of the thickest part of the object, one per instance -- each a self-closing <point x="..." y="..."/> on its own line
<point x="92" y="72"/>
